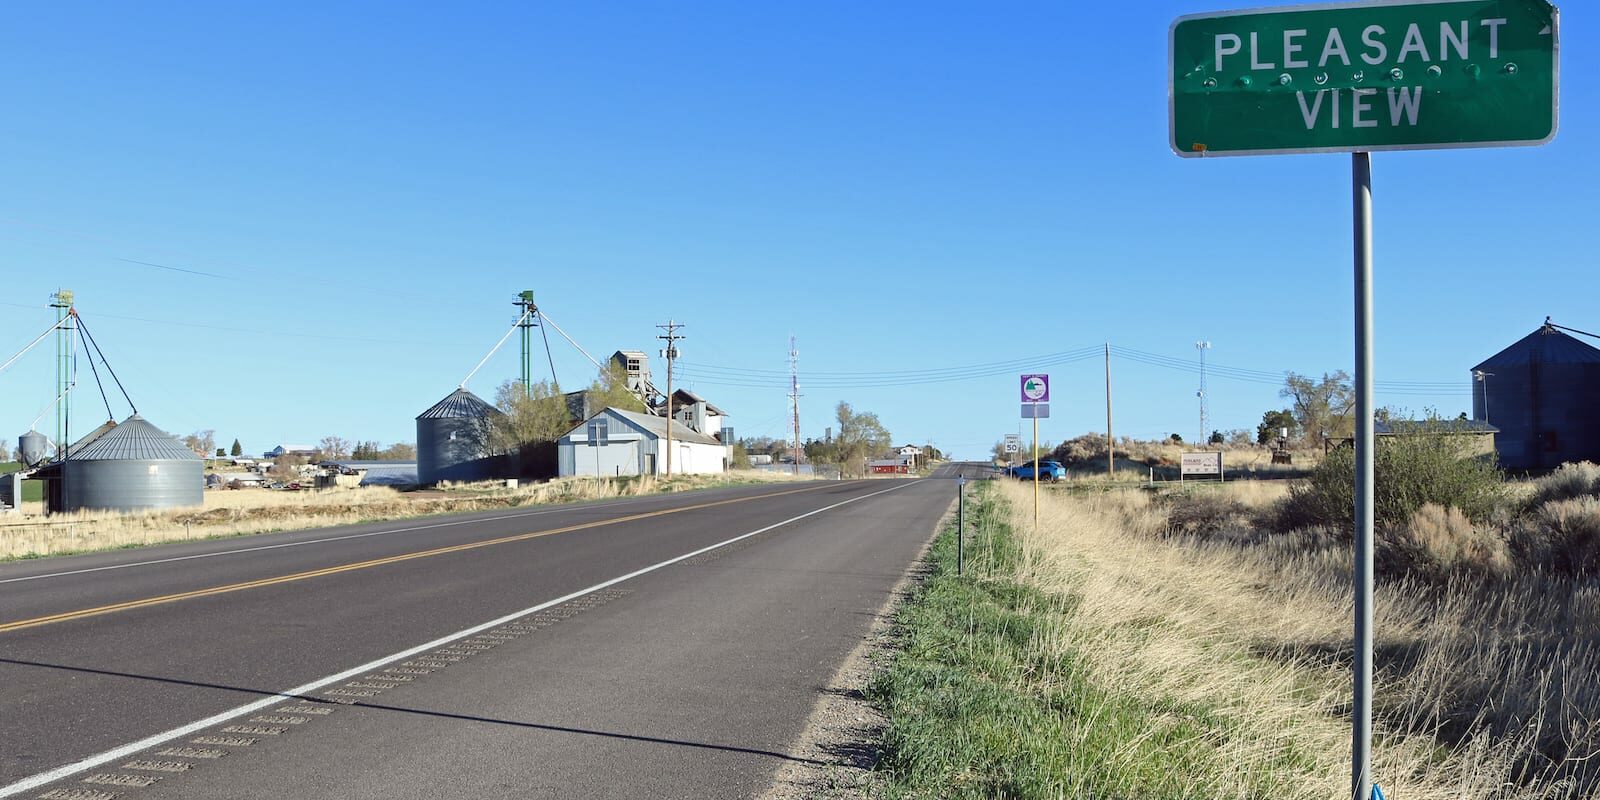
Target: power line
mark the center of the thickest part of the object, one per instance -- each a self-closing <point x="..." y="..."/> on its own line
<point x="727" y="376"/>
<point x="756" y="378"/>
<point x="1274" y="378"/>
<point x="1018" y="363"/>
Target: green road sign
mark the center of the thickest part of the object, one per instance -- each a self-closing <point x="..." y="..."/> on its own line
<point x="1386" y="75"/>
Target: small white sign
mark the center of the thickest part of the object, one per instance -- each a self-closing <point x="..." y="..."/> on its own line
<point x="1200" y="464"/>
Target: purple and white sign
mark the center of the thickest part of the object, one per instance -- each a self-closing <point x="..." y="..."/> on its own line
<point x="1036" y="388"/>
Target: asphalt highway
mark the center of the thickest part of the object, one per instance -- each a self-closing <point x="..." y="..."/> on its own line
<point x="670" y="646"/>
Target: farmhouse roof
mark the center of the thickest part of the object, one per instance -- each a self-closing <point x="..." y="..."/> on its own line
<point x="652" y="425"/>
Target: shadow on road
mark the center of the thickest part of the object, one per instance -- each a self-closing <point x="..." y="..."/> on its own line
<point x="630" y="737"/>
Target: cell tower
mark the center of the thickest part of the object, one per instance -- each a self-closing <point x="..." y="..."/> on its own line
<point x="794" y="399"/>
<point x="1202" y="347"/>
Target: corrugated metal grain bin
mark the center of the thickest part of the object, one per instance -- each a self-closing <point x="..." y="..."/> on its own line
<point x="1542" y="393"/>
<point x="133" y="466"/>
<point x="32" y="448"/>
<point x="453" y="439"/>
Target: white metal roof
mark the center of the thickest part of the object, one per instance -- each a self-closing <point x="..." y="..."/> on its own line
<point x="652" y="426"/>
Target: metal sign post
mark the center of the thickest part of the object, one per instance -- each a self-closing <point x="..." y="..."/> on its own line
<point x="1035" y="404"/>
<point x="1356" y="78"/>
<point x="1361" y="710"/>
<point x="961" y="518"/>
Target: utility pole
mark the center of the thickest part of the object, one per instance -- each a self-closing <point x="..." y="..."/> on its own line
<point x="1483" y="378"/>
<point x="794" y="399"/>
<point x="671" y="337"/>
<point x="61" y="301"/>
<point x="525" y="302"/>
<point x="1111" y="443"/>
<point x="1202" y="347"/>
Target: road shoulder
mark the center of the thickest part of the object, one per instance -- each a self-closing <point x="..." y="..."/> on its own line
<point x="837" y="753"/>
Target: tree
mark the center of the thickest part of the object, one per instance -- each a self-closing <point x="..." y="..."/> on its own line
<point x="610" y="390"/>
<point x="286" y="467"/>
<point x="201" y="442"/>
<point x="1176" y="438"/>
<point x="527" y="418"/>
<point x="1274" y="421"/>
<point x="333" y="447"/>
<point x="861" y="436"/>
<point x="399" y="451"/>
<point x="1321" y="407"/>
<point x="237" y="449"/>
<point x="365" y="451"/>
<point x="221" y="452"/>
<point x="5" y="452"/>
<point x="1216" y="437"/>
<point x="741" y="457"/>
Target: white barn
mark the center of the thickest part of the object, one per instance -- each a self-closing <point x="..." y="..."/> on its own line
<point x="635" y="444"/>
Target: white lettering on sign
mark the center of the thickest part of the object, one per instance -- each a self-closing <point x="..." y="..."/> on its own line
<point x="1494" y="35"/>
<point x="1448" y="37"/>
<point x="1334" y="44"/>
<point x="1406" y="101"/>
<point x="1378" y="44"/>
<point x="1369" y="38"/>
<point x="1310" y="114"/>
<point x="1290" y="47"/>
<point x="1254" y="64"/>
<point x="1412" y="44"/>
<point x="1359" y="106"/>
<point x="1233" y="47"/>
<point x="1405" y="104"/>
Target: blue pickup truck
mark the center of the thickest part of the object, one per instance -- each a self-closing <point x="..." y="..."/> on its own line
<point x="1048" y="471"/>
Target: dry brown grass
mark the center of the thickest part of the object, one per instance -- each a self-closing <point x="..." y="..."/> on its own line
<point x="1443" y="541"/>
<point x="246" y="511"/>
<point x="1486" y="688"/>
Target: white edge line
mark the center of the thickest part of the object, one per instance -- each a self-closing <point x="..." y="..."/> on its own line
<point x="299" y="692"/>
<point x="531" y="513"/>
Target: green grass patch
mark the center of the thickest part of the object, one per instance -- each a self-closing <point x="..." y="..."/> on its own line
<point x="983" y="701"/>
<point x="32" y="491"/>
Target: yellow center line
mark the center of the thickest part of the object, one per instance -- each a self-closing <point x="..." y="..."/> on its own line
<point x="376" y="562"/>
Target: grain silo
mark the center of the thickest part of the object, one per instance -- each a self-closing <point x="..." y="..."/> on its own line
<point x="1541" y="393"/>
<point x="453" y="439"/>
<point x="132" y="466"/>
<point x="32" y="448"/>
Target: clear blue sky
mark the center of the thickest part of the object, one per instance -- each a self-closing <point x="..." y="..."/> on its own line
<point x="902" y="186"/>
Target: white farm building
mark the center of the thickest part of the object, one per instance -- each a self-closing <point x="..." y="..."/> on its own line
<point x="616" y="442"/>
